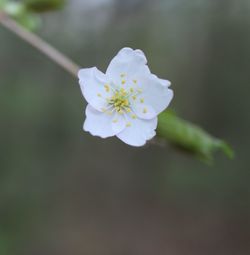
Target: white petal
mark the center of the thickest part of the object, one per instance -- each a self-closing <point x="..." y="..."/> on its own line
<point x="144" y="111"/>
<point x="98" y="123"/>
<point x="126" y="63"/>
<point x="138" y="131"/>
<point x="118" y="123"/>
<point x="165" y="83"/>
<point x="92" y="83"/>
<point x="155" y="92"/>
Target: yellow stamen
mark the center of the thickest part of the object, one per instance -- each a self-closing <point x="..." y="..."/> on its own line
<point x="107" y="88"/>
<point x="142" y="100"/>
<point x="119" y="101"/>
<point x="145" y="110"/>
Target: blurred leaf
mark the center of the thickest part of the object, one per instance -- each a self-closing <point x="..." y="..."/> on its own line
<point x="19" y="12"/>
<point x="190" y="137"/>
<point x="14" y="9"/>
<point x="30" y="21"/>
<point x="44" y="5"/>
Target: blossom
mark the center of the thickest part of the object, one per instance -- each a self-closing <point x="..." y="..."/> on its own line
<point x="126" y="100"/>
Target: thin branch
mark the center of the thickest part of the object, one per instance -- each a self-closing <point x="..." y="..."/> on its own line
<point x="39" y="44"/>
<point x="45" y="48"/>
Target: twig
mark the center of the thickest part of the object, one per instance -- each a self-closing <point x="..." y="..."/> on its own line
<point x="39" y="44"/>
<point x="52" y="53"/>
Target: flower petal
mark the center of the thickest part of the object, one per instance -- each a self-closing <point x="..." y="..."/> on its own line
<point x="144" y="111"/>
<point x="125" y="64"/>
<point x="155" y="92"/>
<point x="98" y="123"/>
<point x="165" y="83"/>
<point x="118" y="123"/>
<point x="95" y="87"/>
<point x="138" y="131"/>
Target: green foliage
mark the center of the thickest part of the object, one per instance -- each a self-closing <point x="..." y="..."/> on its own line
<point x="30" y="21"/>
<point x="44" y="5"/>
<point x="14" y="9"/>
<point x="24" y="12"/>
<point x="190" y="137"/>
<point x="19" y="12"/>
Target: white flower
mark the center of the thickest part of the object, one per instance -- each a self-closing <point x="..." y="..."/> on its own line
<point x="126" y="100"/>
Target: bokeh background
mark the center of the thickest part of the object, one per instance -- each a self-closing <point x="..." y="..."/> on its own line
<point x="64" y="192"/>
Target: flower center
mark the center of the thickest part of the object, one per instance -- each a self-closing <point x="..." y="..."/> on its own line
<point x="120" y="101"/>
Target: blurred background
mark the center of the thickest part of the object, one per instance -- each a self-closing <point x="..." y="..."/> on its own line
<point x="64" y="192"/>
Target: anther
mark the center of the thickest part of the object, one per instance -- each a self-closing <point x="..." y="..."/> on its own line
<point x="106" y="86"/>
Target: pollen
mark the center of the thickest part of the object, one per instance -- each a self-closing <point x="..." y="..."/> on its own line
<point x="115" y="121"/>
<point x="135" y="81"/>
<point x="145" y="110"/>
<point x="119" y="101"/>
<point x="124" y="93"/>
<point x="131" y="90"/>
<point x="134" y="116"/>
<point x="142" y="100"/>
<point x="134" y="97"/>
<point x="123" y="82"/>
<point x="99" y="95"/>
<point x="107" y="88"/>
<point x="123" y="75"/>
<point x="128" y="124"/>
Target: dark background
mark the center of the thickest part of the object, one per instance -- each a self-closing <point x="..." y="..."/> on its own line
<point x="64" y="192"/>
